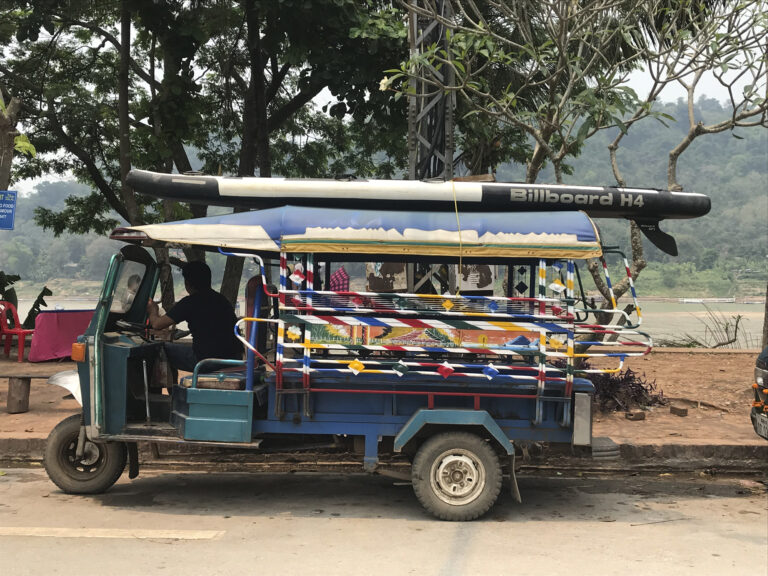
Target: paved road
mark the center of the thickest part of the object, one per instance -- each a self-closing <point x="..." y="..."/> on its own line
<point x="200" y="523"/>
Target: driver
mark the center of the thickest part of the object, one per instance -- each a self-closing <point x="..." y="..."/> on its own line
<point x="210" y="318"/>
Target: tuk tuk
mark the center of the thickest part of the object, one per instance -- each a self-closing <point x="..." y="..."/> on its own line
<point x="450" y="339"/>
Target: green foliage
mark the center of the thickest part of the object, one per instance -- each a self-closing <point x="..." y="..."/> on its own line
<point x="82" y="214"/>
<point x="342" y="58"/>
<point x="22" y="145"/>
<point x="384" y="24"/>
<point x="193" y="77"/>
<point x="316" y="145"/>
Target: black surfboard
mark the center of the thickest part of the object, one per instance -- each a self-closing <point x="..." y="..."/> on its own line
<point x="644" y="205"/>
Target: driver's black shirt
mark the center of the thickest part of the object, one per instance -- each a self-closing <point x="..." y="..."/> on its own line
<point x="211" y="320"/>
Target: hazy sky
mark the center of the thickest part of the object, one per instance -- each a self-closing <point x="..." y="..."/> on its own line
<point x="708" y="86"/>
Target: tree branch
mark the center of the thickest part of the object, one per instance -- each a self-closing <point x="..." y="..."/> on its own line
<point x="291" y="107"/>
<point x="112" y="39"/>
<point x="80" y="153"/>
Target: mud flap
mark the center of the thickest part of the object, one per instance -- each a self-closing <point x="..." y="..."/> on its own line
<point x="133" y="459"/>
<point x="70" y="381"/>
<point x="514" y="490"/>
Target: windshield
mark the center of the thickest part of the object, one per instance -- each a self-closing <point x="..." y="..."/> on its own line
<point x="131" y="275"/>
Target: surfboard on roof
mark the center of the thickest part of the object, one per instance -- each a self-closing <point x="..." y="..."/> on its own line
<point x="253" y="192"/>
<point x="646" y="206"/>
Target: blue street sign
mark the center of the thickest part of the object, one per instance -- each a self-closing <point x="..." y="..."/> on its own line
<point x="7" y="209"/>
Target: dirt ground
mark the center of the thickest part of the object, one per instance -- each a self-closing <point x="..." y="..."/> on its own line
<point x="720" y="378"/>
<point x="715" y="386"/>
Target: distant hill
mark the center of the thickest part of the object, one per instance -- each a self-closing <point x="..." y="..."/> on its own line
<point x="37" y="256"/>
<point x="721" y="253"/>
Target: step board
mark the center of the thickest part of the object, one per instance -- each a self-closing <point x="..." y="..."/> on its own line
<point x="162" y="432"/>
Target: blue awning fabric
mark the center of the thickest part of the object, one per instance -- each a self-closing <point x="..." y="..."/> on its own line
<point x="330" y="230"/>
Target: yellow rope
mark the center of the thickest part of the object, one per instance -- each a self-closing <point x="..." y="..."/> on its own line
<point x="461" y="244"/>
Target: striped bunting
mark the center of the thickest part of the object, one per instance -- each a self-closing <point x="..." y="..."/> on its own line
<point x="486" y="325"/>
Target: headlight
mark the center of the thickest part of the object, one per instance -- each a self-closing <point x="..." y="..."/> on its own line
<point x="760" y="376"/>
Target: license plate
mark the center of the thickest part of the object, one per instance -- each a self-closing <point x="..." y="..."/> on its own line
<point x="761" y="425"/>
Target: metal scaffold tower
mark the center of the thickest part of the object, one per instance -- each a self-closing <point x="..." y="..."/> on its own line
<point x="430" y="110"/>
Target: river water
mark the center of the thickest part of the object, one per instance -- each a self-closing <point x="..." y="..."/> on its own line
<point x="704" y="322"/>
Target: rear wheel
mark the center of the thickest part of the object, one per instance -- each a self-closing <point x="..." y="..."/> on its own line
<point x="456" y="476"/>
<point x="99" y="468"/>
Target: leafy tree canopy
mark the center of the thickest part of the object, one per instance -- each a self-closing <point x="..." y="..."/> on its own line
<point x="205" y="75"/>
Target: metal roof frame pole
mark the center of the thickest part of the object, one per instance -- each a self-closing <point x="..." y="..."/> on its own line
<point x="430" y="109"/>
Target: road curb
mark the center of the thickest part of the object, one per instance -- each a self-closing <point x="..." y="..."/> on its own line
<point x="697" y="457"/>
<point x="684" y="452"/>
<point x="22" y="449"/>
<point x="631" y="457"/>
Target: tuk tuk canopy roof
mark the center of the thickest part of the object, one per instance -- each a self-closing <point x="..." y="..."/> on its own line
<point x="330" y="230"/>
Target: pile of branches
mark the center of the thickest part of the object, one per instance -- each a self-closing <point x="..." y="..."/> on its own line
<point x="623" y="390"/>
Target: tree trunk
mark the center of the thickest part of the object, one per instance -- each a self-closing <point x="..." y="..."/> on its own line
<point x="255" y="139"/>
<point x="6" y="154"/>
<point x="8" y="119"/>
<point x="123" y="81"/>
<point x="535" y="164"/>
<point x="262" y="127"/>
<point x="540" y="153"/>
<point x="177" y="155"/>
<point x="247" y="163"/>
<point x="181" y="160"/>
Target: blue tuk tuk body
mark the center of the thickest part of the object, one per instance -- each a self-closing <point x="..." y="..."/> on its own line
<point x="454" y="379"/>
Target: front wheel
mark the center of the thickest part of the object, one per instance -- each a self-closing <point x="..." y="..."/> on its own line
<point x="456" y="476"/>
<point x="99" y="468"/>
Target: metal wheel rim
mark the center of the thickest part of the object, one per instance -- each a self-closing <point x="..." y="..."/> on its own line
<point x="87" y="466"/>
<point x="457" y="477"/>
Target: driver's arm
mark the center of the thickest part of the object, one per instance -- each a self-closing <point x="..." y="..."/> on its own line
<point x="155" y="320"/>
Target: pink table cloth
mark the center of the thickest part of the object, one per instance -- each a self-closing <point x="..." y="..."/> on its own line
<point x="55" y="332"/>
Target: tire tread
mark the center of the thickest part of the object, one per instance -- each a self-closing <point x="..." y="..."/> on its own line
<point x="422" y="463"/>
<point x="115" y="461"/>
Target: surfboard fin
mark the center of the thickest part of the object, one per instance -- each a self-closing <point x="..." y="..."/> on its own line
<point x="657" y="236"/>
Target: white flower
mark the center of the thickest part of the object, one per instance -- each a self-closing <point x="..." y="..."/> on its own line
<point x="385" y="84"/>
<point x="294" y="333"/>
